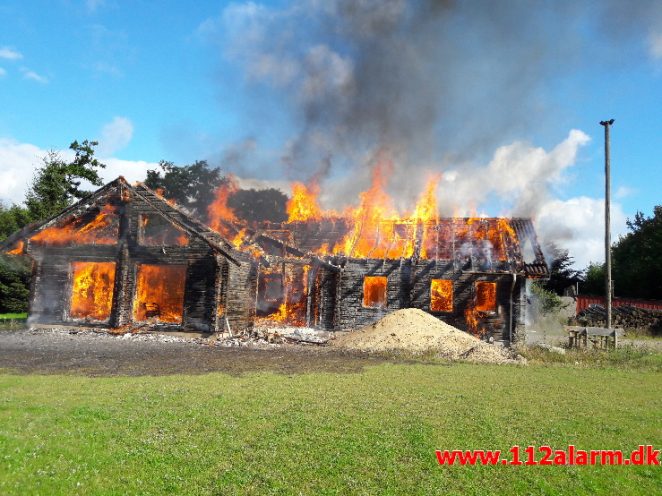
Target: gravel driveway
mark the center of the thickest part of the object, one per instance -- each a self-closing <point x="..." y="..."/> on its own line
<point x="99" y="354"/>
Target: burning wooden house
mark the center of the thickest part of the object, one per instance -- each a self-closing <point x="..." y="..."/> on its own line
<point x="126" y="257"/>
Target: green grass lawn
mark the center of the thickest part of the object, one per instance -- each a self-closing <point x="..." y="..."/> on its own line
<point x="372" y="432"/>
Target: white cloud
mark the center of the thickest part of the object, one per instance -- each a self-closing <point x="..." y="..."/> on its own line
<point x="10" y="54"/>
<point x="132" y="170"/>
<point x="115" y="135"/>
<point x="521" y="176"/>
<point x="33" y="76"/>
<point x="18" y="162"/>
<point x="577" y="225"/>
<point x="3" y="73"/>
<point x="526" y="179"/>
<point x="655" y="45"/>
<point x="523" y="172"/>
<point x="623" y="192"/>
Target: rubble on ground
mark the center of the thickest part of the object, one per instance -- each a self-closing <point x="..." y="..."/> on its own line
<point x="254" y="339"/>
<point x="262" y="337"/>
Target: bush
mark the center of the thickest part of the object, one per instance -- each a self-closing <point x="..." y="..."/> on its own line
<point x="549" y="301"/>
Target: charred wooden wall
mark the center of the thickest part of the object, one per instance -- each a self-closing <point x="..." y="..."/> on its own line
<point x="325" y="299"/>
<point x="408" y="286"/>
<point x="48" y="296"/>
<point x="496" y="325"/>
<point x="241" y="294"/>
<point x="51" y="286"/>
<point x="350" y="312"/>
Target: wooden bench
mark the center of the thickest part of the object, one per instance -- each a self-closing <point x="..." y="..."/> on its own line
<point x="601" y="337"/>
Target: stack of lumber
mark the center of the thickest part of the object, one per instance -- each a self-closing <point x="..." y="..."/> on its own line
<point x="626" y="316"/>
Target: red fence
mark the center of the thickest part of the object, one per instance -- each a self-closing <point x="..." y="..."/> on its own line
<point x="585" y="301"/>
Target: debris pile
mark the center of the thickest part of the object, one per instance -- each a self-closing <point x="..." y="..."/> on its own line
<point x="254" y="339"/>
<point x="415" y="331"/>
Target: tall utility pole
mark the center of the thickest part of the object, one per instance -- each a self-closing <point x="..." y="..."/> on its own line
<point x="607" y="126"/>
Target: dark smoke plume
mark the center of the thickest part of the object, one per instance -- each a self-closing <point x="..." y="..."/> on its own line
<point x="439" y="84"/>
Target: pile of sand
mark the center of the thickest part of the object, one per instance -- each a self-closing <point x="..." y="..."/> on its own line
<point x="414" y="331"/>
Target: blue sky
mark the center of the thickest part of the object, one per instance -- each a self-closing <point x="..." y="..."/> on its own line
<point x="180" y="81"/>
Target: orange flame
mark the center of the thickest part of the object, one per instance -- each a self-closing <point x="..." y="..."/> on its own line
<point x="375" y="229"/>
<point x="369" y="236"/>
<point x="427" y="211"/>
<point x="238" y="239"/>
<point x="441" y="295"/>
<point x="92" y="290"/>
<point x="102" y="230"/>
<point x="496" y="232"/>
<point x="219" y="213"/>
<point x="159" y="293"/>
<point x="426" y="208"/>
<point x="471" y="317"/>
<point x="374" y="291"/>
<point x="18" y="249"/>
<point x="485" y="296"/>
<point x="279" y="315"/>
<point x="303" y="205"/>
<point x="484" y="303"/>
<point x="160" y="192"/>
<point x="292" y="310"/>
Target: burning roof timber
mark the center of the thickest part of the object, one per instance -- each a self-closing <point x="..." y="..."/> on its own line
<point x="95" y="220"/>
<point x="473" y="244"/>
<point x="374" y="229"/>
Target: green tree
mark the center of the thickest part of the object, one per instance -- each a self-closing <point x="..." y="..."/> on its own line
<point x="594" y="280"/>
<point x="194" y="186"/>
<point x="12" y="219"/>
<point x="56" y="184"/>
<point x="637" y="258"/>
<point x="260" y="205"/>
<point x="14" y="271"/>
<point x="15" y="275"/>
<point x="191" y="186"/>
<point x="561" y="272"/>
